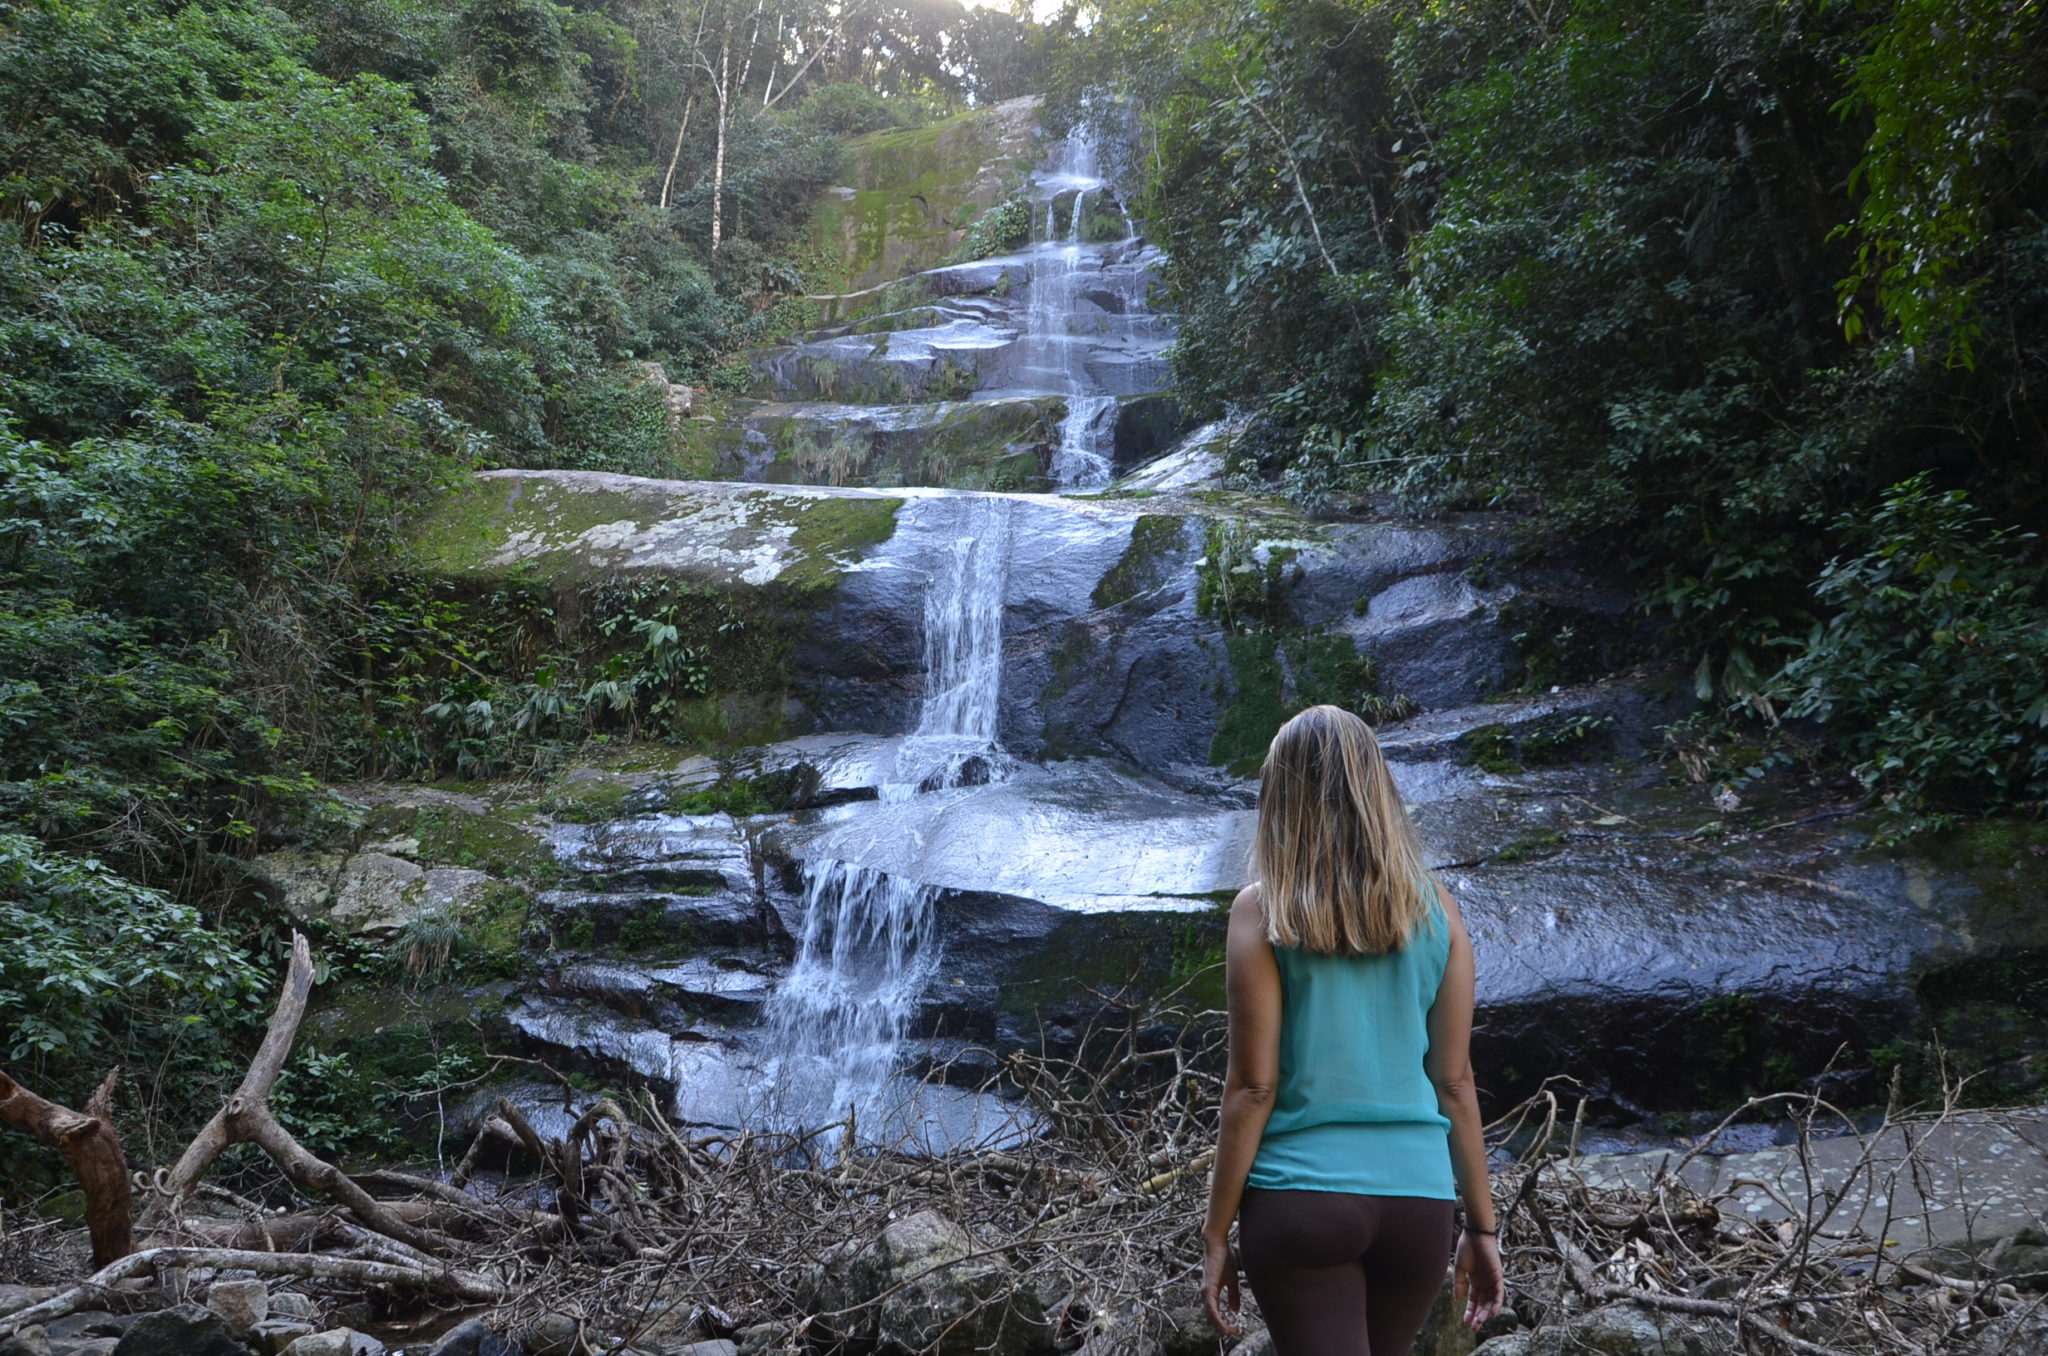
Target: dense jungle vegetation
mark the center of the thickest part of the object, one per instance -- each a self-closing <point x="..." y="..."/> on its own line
<point x="273" y="274"/>
<point x="1753" y="292"/>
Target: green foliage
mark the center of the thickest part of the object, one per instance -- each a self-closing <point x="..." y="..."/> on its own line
<point x="94" y="961"/>
<point x="1582" y="259"/>
<point x="731" y="796"/>
<point x="646" y="929"/>
<point x="1935" y="661"/>
<point x="359" y="1094"/>
<point x="1001" y="229"/>
<point x="1238" y="581"/>
<point x="1940" y="83"/>
<point x="847" y="109"/>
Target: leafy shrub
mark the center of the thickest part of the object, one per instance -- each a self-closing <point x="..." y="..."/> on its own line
<point x="1933" y="672"/>
<point x="1004" y="227"/>
<point x="92" y="959"/>
<point x="847" y="109"/>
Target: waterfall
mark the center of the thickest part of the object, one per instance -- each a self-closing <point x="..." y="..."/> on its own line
<point x="955" y="739"/>
<point x="869" y="941"/>
<point x="1052" y="358"/>
<point x="839" y="1017"/>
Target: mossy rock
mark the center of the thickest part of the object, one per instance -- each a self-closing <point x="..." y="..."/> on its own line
<point x="1002" y="445"/>
<point x="586" y="525"/>
<point x="1136" y="953"/>
<point x="912" y="194"/>
<point x="1277" y="672"/>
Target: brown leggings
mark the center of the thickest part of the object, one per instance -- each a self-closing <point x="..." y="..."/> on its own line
<point x="1343" y="1275"/>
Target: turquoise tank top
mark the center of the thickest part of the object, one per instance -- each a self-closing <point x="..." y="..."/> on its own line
<point x="1354" y="1109"/>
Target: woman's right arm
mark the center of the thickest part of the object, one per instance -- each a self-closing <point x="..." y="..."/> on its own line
<point x="1252" y="979"/>
<point x="1449" y="1063"/>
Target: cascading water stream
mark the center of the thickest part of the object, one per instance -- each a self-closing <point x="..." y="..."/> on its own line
<point x="1053" y="359"/>
<point x="868" y="945"/>
<point x="838" y="1019"/>
<point x="955" y="739"/>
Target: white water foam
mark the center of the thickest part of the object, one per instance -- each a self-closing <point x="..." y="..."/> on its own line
<point x="839" y="1017"/>
<point x="955" y="740"/>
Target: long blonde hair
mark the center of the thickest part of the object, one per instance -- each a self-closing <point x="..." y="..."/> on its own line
<point x="1340" y="867"/>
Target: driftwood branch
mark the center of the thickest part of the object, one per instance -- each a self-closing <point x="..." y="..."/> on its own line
<point x="91" y="1147"/>
<point x="96" y="1289"/>
<point x="247" y="1118"/>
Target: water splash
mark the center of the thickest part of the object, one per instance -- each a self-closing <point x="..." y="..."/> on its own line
<point x="839" y="1018"/>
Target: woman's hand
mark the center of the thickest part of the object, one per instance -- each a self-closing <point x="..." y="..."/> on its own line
<point x="1480" y="1284"/>
<point x="1219" y="1285"/>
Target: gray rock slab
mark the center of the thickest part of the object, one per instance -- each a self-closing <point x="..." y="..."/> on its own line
<point x="473" y="1337"/>
<point x="335" y="1342"/>
<point x="185" y="1330"/>
<point x="661" y="851"/>
<point x="377" y="891"/>
<point x="91" y="1323"/>
<point x="718" y="918"/>
<point x="716" y="1347"/>
<point x="273" y="1335"/>
<point x="240" y="1304"/>
<point x="299" y="880"/>
<point x="1196" y="462"/>
<point x="1958" y="1183"/>
<point x="700" y="978"/>
<point x="1077" y="835"/>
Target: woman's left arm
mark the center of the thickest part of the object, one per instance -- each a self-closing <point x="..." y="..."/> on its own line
<point x="1252" y="982"/>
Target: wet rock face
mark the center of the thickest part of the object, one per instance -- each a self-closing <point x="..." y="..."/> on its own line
<point x="909" y="195"/>
<point x="1149" y="647"/>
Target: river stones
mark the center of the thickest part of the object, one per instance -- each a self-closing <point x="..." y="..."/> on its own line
<point x="1615" y="1330"/>
<point x="184" y="1330"/>
<point x="473" y="1337"/>
<point x="921" y="1286"/>
<point x="240" y="1304"/>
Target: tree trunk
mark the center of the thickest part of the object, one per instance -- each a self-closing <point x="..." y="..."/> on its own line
<point x="247" y="1118"/>
<point x="92" y="1148"/>
<point x="689" y="102"/>
<point x="723" y="89"/>
<point x="668" y="180"/>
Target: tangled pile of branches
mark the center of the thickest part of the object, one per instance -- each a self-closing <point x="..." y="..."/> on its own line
<point x="1091" y="1196"/>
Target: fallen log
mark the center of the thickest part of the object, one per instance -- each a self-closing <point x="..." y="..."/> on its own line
<point x="91" y="1147"/>
<point x="96" y="1289"/>
<point x="247" y="1118"/>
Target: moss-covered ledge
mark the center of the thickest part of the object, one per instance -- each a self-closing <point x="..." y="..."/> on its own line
<point x="585" y="525"/>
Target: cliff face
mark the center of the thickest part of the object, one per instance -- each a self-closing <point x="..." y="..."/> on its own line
<point x="909" y="196"/>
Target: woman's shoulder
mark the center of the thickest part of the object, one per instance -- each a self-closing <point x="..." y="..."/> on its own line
<point x="1440" y="898"/>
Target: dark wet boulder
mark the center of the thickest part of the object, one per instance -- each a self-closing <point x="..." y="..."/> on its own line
<point x="921" y="1287"/>
<point x="186" y="1330"/>
<point x="473" y="1337"/>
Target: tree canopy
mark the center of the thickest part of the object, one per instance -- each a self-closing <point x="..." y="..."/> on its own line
<point x="1727" y="284"/>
